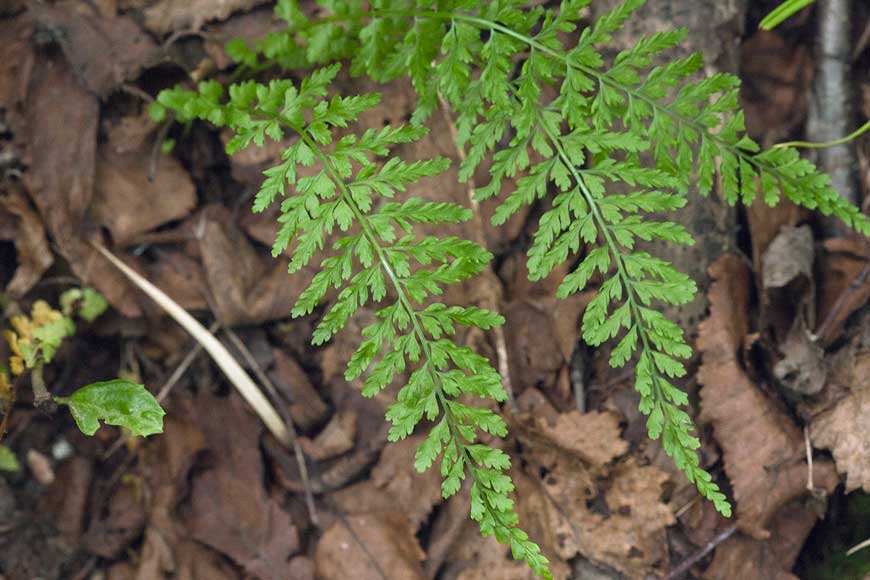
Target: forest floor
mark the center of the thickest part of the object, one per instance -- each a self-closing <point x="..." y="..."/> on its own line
<point x="784" y="352"/>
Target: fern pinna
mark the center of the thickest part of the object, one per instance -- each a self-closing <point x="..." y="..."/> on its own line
<point x="534" y="96"/>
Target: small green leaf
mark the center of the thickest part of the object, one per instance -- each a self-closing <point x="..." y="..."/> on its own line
<point x="118" y="402"/>
<point x="8" y="461"/>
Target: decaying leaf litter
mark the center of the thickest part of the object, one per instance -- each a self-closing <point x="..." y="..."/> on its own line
<point x="781" y="371"/>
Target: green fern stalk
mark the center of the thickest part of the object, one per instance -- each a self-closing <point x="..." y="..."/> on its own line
<point x="346" y="193"/>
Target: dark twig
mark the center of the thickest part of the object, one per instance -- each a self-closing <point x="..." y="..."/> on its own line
<point x="686" y="564"/>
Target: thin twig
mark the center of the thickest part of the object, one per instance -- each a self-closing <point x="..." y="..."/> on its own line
<point x="810" y="486"/>
<point x="183" y="366"/>
<point x="490" y="299"/>
<point x="834" y="313"/>
<point x="288" y="420"/>
<point x="857" y="547"/>
<point x="686" y="564"/>
<point x="218" y="352"/>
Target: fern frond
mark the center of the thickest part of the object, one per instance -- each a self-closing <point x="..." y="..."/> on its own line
<point x="616" y="112"/>
<point x="376" y="246"/>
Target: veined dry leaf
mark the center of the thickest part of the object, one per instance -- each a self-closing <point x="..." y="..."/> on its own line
<point x="763" y="449"/>
<point x="844" y="284"/>
<point x="844" y="429"/>
<point x="486" y="559"/>
<point x="248" y="287"/>
<point x="369" y="547"/>
<point x="60" y="180"/>
<point x="307" y="409"/>
<point x="622" y="525"/>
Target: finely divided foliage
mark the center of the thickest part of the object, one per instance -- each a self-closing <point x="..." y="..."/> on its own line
<point x="532" y="94"/>
<point x="347" y="193"/>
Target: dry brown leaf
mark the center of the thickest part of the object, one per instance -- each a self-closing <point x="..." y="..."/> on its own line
<point x="66" y="499"/>
<point x="16" y="62"/>
<point x="156" y="559"/>
<point x="534" y="348"/>
<point x="622" y="526"/>
<point x="130" y="133"/>
<point x="765" y="223"/>
<point x="842" y="289"/>
<point x="487" y="559"/>
<point x="763" y="449"/>
<point x="744" y="557"/>
<point x="395" y="485"/>
<point x="61" y="159"/>
<point x="31" y="246"/>
<point x="129" y="203"/>
<point x="230" y="510"/>
<point x="802" y="368"/>
<point x="110" y="533"/>
<point x="778" y="75"/>
<point x="170" y="15"/>
<point x="196" y="562"/>
<point x="166" y="464"/>
<point x="306" y="408"/>
<point x="594" y="437"/>
<point x="336" y="438"/>
<point x="181" y="277"/>
<point x="369" y="547"/>
<point x="789" y="256"/>
<point x="844" y="429"/>
<point x="103" y="51"/>
<point x="248" y="286"/>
